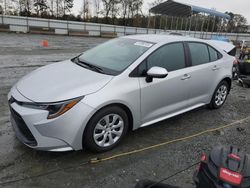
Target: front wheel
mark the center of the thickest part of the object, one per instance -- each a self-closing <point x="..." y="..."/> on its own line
<point x="220" y="95"/>
<point x="105" y="129"/>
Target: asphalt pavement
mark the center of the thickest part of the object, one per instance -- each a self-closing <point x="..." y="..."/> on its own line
<point x="21" y="166"/>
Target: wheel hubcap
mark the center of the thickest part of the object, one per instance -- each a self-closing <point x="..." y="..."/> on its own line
<point x="221" y="95"/>
<point x="108" y="130"/>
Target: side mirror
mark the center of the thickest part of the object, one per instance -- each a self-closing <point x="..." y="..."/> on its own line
<point x="156" y="72"/>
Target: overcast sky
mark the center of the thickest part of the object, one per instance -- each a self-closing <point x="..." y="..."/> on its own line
<point x="235" y="6"/>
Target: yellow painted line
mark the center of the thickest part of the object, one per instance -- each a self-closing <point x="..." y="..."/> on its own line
<point x="96" y="160"/>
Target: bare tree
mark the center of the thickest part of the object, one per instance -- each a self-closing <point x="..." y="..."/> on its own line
<point x="97" y="6"/>
<point x="40" y="6"/>
<point x="1" y="9"/>
<point x="135" y="8"/>
<point x="107" y="6"/>
<point x="125" y="6"/>
<point x="67" y="6"/>
<point x="10" y="7"/>
<point x="114" y="10"/>
<point x="85" y="9"/>
<point x="1" y="6"/>
<point x="25" y="7"/>
<point x="59" y="8"/>
<point x="51" y="7"/>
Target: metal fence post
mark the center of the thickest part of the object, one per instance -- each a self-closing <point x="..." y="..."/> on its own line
<point x="195" y="28"/>
<point x="177" y="22"/>
<point x="154" y="21"/>
<point x="160" y="21"/>
<point x="186" y="24"/>
<point x="213" y="26"/>
<point x="220" y="26"/>
<point x="27" y="22"/>
<point x="166" y="22"/>
<point x="190" y="23"/>
<point x="100" y="30"/>
<point x="149" y="16"/>
<point x="208" y="26"/>
<point x="202" y="27"/>
<point x="237" y="33"/>
<point x="68" y="27"/>
<point x="181" y="23"/>
<point x="172" y="23"/>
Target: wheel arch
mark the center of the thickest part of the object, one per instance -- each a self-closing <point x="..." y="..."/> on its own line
<point x="229" y="81"/>
<point x="122" y="106"/>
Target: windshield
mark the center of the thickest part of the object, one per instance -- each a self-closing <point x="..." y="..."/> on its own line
<point x="115" y="55"/>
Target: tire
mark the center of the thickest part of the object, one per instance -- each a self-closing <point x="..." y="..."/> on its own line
<point x="219" y="96"/>
<point x="105" y="129"/>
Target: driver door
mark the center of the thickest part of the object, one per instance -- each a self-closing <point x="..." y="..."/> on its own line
<point x="164" y="96"/>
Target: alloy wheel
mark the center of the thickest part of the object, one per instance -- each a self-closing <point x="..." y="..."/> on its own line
<point x="108" y="130"/>
<point x="221" y="95"/>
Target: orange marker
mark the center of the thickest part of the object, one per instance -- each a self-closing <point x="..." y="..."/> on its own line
<point x="45" y="43"/>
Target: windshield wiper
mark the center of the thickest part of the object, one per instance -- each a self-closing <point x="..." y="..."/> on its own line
<point x="85" y="64"/>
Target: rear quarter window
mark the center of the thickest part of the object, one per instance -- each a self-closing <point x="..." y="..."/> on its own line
<point x="214" y="55"/>
<point x="199" y="53"/>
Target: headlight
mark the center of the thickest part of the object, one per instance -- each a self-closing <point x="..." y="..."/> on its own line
<point x="55" y="109"/>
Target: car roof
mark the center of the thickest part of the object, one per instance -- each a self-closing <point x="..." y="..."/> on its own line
<point x="160" y="38"/>
<point x="157" y="38"/>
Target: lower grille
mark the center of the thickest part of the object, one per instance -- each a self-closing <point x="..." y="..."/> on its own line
<point x="23" y="130"/>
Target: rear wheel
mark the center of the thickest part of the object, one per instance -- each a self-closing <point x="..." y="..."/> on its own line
<point x="220" y="95"/>
<point x="106" y="129"/>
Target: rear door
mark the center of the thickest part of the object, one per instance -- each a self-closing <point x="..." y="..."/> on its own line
<point x="205" y="71"/>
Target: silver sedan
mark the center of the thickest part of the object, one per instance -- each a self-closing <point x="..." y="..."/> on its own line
<point x="92" y="100"/>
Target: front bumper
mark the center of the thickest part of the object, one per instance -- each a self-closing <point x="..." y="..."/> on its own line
<point x="63" y="133"/>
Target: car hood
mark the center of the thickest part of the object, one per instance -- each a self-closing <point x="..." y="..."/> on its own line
<point x="61" y="81"/>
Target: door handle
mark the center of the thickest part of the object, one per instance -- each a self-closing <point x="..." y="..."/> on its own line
<point x="185" y="77"/>
<point x="215" y="68"/>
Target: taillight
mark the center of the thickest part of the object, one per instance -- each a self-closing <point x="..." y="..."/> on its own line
<point x="203" y="157"/>
<point x="233" y="156"/>
<point x="229" y="176"/>
<point x="235" y="62"/>
<point x="203" y="160"/>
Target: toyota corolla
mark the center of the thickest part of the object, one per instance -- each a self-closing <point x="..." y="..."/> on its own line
<point x="92" y="100"/>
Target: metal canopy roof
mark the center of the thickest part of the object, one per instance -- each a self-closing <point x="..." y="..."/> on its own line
<point x="173" y="8"/>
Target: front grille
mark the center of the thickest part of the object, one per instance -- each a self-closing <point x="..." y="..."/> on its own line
<point x="26" y="134"/>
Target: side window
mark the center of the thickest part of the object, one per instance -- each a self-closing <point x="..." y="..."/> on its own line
<point x="199" y="53"/>
<point x="213" y="54"/>
<point x="170" y="57"/>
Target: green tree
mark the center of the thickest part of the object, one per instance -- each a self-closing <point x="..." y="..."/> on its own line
<point x="237" y="23"/>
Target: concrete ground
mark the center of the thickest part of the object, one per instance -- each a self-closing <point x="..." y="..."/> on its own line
<point x="20" y="54"/>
